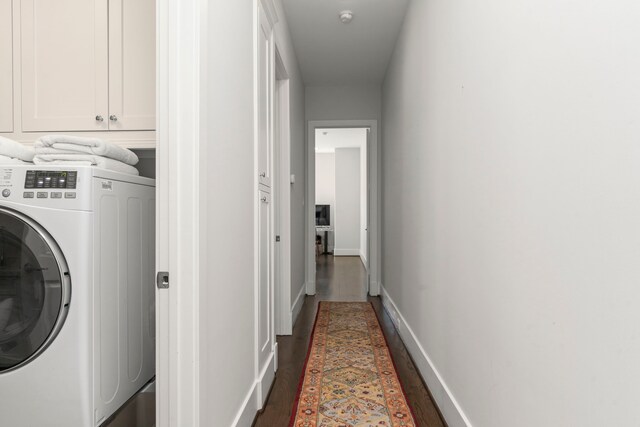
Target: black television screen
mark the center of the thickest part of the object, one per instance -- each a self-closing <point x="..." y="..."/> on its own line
<point x="323" y="215"/>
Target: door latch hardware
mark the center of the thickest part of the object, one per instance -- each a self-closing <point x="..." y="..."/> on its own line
<point x="277" y="238"/>
<point x="162" y="280"/>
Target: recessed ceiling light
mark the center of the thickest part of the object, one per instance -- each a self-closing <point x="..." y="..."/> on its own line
<point x="324" y="133"/>
<point x="346" y="16"/>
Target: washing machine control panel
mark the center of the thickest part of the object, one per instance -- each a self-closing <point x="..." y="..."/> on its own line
<point x="51" y="179"/>
<point x="55" y="187"/>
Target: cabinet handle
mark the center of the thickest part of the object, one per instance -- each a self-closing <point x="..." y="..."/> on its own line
<point x="263" y="174"/>
<point x="99" y="118"/>
<point x="264" y="199"/>
<point x="113" y="118"/>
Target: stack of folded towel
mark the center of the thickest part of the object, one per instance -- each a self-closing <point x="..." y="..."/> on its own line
<point x="76" y="150"/>
<point x="12" y="152"/>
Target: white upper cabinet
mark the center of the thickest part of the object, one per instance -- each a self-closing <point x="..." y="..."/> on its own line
<point x="6" y="67"/>
<point x="132" y="59"/>
<point x="64" y="65"/>
<point x="87" y="65"/>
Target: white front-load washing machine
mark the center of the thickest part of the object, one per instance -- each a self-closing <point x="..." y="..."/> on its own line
<point x="77" y="294"/>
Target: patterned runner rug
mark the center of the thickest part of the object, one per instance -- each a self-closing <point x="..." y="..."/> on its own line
<point x="349" y="379"/>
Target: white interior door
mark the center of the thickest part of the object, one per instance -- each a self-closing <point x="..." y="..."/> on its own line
<point x="6" y="66"/>
<point x="265" y="337"/>
<point x="265" y="318"/>
<point x="64" y="65"/>
<point x="265" y="105"/>
<point x="132" y="65"/>
<point x="264" y="272"/>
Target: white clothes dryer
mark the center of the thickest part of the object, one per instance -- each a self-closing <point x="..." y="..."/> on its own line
<point x="77" y="293"/>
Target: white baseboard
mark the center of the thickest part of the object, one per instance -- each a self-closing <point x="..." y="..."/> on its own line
<point x="346" y="252"/>
<point x="363" y="259"/>
<point x="449" y="407"/>
<point x="297" y="306"/>
<point x="265" y="380"/>
<point x="258" y="394"/>
<point x="248" y="409"/>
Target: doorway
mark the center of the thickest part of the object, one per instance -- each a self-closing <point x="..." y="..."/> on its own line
<point x="342" y="197"/>
<point x="282" y="205"/>
<point x="341" y="213"/>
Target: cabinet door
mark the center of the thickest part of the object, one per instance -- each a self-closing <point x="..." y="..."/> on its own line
<point x="264" y="100"/>
<point x="6" y="66"/>
<point x="64" y="65"/>
<point x="266" y="334"/>
<point x="132" y="65"/>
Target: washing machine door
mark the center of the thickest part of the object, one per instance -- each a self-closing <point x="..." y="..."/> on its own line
<point x="35" y="290"/>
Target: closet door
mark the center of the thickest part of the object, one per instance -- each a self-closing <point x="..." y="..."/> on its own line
<point x="265" y="90"/>
<point x="265" y="319"/>
<point x="6" y="66"/>
<point x="132" y="65"/>
<point x="64" y="65"/>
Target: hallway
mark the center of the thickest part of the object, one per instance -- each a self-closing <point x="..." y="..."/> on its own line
<point x="503" y="220"/>
<point x="339" y="279"/>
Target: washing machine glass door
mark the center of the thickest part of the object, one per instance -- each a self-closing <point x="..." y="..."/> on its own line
<point x="35" y="290"/>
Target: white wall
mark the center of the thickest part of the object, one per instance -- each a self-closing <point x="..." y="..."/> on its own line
<point x="227" y="206"/>
<point x="342" y="103"/>
<point x="347" y="219"/>
<point x="511" y="218"/>
<point x="227" y="215"/>
<point x="326" y="182"/>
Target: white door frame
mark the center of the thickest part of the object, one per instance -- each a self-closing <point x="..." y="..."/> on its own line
<point x="282" y="206"/>
<point x="180" y="63"/>
<point x="373" y="201"/>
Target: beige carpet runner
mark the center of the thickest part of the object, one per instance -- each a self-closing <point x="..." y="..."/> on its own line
<point x="349" y="379"/>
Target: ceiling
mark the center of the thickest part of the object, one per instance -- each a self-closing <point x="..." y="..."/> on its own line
<point x="327" y="140"/>
<point x="336" y="54"/>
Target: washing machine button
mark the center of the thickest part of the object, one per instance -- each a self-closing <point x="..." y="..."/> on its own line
<point x="6" y="192"/>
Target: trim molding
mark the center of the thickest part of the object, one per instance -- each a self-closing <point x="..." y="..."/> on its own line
<point x="247" y="411"/>
<point x="271" y="12"/>
<point x="449" y="407"/>
<point x="310" y="288"/>
<point x="346" y="252"/>
<point x="266" y="378"/>
<point x="297" y="306"/>
<point x="374" y="288"/>
<point x="363" y="259"/>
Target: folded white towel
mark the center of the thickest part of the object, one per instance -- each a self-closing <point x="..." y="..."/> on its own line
<point x="5" y="160"/>
<point x="14" y="149"/>
<point x="84" y="159"/>
<point x="82" y="145"/>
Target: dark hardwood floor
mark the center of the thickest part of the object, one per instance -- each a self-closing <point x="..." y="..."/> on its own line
<point x="339" y="279"/>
